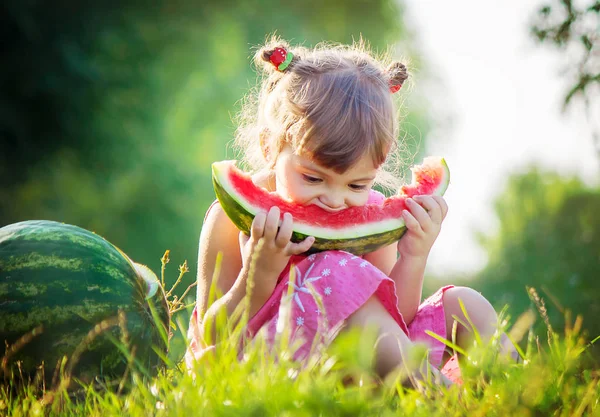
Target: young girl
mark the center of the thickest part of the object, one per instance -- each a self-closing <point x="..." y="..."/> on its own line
<point x="324" y="125"/>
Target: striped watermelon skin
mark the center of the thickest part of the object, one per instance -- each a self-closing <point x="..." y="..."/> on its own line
<point x="68" y="279"/>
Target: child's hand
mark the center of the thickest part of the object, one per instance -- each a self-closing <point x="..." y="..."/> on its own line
<point x="423" y="220"/>
<point x="274" y="252"/>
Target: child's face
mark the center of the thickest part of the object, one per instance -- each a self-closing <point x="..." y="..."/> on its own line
<point x="303" y="181"/>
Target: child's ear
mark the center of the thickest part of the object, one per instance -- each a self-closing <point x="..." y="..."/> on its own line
<point x="264" y="138"/>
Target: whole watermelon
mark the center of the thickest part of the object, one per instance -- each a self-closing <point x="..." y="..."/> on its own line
<point x="67" y="280"/>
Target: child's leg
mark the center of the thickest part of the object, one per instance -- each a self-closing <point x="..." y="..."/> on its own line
<point x="481" y="313"/>
<point x="393" y="345"/>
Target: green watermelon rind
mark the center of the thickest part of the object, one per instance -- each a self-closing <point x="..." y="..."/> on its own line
<point x="358" y="240"/>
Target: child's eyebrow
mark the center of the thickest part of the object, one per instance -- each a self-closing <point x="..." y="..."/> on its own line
<point x="369" y="178"/>
<point x="314" y="168"/>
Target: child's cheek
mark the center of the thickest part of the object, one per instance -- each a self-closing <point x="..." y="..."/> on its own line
<point x="360" y="199"/>
<point x="298" y="196"/>
<point x="301" y="193"/>
<point x="289" y="190"/>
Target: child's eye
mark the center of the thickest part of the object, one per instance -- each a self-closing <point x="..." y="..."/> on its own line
<point x="311" y="179"/>
<point x="358" y="187"/>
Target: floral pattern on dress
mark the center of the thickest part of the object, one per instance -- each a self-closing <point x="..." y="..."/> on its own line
<point x="327" y="287"/>
<point x="300" y="284"/>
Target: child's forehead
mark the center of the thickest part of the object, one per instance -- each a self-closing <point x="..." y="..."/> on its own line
<point x="365" y="165"/>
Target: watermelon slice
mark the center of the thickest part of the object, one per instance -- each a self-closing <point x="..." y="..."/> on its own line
<point x="357" y="230"/>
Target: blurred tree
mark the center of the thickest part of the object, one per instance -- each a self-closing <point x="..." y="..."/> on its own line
<point x="572" y="27"/>
<point x="549" y="238"/>
<point x="112" y="112"/>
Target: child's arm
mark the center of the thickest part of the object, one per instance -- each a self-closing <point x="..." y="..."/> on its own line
<point x="407" y="275"/>
<point x="269" y="257"/>
<point x="423" y="221"/>
<point x="407" y="270"/>
<point x="219" y="234"/>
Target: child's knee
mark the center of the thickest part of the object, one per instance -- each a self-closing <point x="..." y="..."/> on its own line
<point x="391" y="344"/>
<point x="481" y="313"/>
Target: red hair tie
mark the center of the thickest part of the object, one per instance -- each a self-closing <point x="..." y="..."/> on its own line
<point x="281" y="58"/>
<point x="394" y="88"/>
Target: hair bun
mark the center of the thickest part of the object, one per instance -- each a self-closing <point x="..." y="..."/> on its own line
<point x="397" y="74"/>
<point x="272" y="56"/>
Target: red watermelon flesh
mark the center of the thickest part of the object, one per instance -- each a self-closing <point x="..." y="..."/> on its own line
<point x="357" y="230"/>
<point x="242" y="199"/>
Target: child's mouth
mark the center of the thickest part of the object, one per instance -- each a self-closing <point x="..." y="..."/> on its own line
<point x="329" y="209"/>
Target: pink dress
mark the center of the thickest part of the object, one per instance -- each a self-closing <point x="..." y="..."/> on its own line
<point x="327" y="288"/>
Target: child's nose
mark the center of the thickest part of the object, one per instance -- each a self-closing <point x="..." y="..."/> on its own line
<point x="333" y="200"/>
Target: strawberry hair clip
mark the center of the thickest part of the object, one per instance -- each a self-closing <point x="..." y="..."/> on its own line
<point x="281" y="59"/>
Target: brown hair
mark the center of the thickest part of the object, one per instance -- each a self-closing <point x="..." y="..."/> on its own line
<point x="332" y="103"/>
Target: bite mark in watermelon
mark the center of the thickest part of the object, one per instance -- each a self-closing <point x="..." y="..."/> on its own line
<point x="357" y="230"/>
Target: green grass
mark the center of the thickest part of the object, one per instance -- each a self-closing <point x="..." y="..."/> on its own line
<point x="553" y="380"/>
<point x="558" y="377"/>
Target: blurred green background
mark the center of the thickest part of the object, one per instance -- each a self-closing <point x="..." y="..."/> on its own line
<point x="112" y="112"/>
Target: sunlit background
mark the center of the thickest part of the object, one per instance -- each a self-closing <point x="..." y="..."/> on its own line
<point x="111" y="114"/>
<point x="498" y="99"/>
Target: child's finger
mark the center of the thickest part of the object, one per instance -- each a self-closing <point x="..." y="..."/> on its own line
<point x="300" y="247"/>
<point x="258" y="225"/>
<point x="272" y="223"/>
<point x="410" y="222"/>
<point x="432" y="206"/>
<point x="418" y="212"/>
<point x="285" y="231"/>
<point x="243" y="238"/>
<point x="443" y="205"/>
